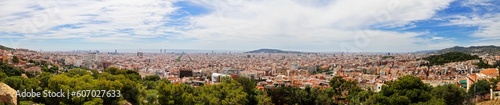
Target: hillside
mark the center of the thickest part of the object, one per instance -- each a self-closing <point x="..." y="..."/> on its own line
<point x="473" y="49"/>
<point x="449" y="57"/>
<point x="271" y="51"/>
<point x="5" y="48"/>
<point x="426" y="51"/>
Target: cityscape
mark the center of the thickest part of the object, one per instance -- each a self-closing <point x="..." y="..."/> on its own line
<point x="249" y="52"/>
<point x="273" y="68"/>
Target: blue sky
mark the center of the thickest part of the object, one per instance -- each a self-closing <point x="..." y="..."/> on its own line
<point x="312" y="25"/>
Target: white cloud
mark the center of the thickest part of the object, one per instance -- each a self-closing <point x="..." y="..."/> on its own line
<point x="476" y="3"/>
<point x="489" y="25"/>
<point x="437" y="38"/>
<point x="235" y="24"/>
<point x="96" y="18"/>
<point x="285" y="24"/>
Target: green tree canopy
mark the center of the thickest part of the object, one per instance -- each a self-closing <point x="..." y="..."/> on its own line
<point x="450" y="57"/>
<point x="408" y="86"/>
<point x="342" y="86"/>
<point x="228" y="92"/>
<point x="152" y="78"/>
<point x="15" y="59"/>
<point x="77" y="72"/>
<point x="10" y="70"/>
<point x="2" y="75"/>
<point x="481" y="88"/>
<point x="249" y="88"/>
<point x="451" y="93"/>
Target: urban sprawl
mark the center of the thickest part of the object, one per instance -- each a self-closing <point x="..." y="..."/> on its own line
<point x="370" y="70"/>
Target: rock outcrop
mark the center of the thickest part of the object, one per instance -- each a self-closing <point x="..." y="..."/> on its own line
<point x="7" y="94"/>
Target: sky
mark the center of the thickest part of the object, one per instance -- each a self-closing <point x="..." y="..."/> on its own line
<point x="299" y="25"/>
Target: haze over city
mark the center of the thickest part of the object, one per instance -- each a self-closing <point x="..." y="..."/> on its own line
<point x="315" y="25"/>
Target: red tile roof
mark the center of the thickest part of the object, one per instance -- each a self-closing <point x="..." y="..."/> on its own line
<point x="490" y="72"/>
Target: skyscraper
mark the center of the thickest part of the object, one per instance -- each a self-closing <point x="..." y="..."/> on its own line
<point x="140" y="54"/>
<point x="91" y="56"/>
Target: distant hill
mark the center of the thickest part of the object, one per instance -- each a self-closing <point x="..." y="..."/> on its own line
<point x="5" y="48"/>
<point x="449" y="57"/>
<point x="271" y="51"/>
<point x="426" y="51"/>
<point x="473" y="49"/>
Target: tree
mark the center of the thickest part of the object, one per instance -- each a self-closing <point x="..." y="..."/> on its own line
<point x="152" y="97"/>
<point x="361" y="97"/>
<point x="278" y="95"/>
<point x="228" y="92"/>
<point x="452" y="94"/>
<point x="131" y="91"/>
<point x="481" y="88"/>
<point x="95" y="73"/>
<point x="249" y="88"/>
<point x="15" y="82"/>
<point x="31" y="74"/>
<point x="21" y="83"/>
<point x="396" y="99"/>
<point x="152" y="78"/>
<point x="151" y="81"/>
<point x="408" y="86"/>
<point x="172" y="93"/>
<point x="2" y="75"/>
<point x="337" y="82"/>
<point x="150" y="84"/>
<point x="130" y="74"/>
<point x="44" y="79"/>
<point x="53" y="69"/>
<point x="111" y="70"/>
<point x="343" y="88"/>
<point x="324" y="97"/>
<point x="128" y="82"/>
<point x="77" y="72"/>
<point x="9" y="70"/>
<point x="433" y="101"/>
<point x="65" y="82"/>
<point x="377" y="99"/>
<point x="410" y="90"/>
<point x="95" y="101"/>
<point x="483" y="65"/>
<point x="294" y="95"/>
<point x="15" y="59"/>
<point x="449" y="57"/>
<point x="263" y="99"/>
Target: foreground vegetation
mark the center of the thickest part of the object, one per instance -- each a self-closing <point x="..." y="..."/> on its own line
<point x="152" y="90"/>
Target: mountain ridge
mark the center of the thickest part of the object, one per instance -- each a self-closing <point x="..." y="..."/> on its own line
<point x="491" y="49"/>
<point x="266" y="50"/>
<point x="5" y="48"/>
